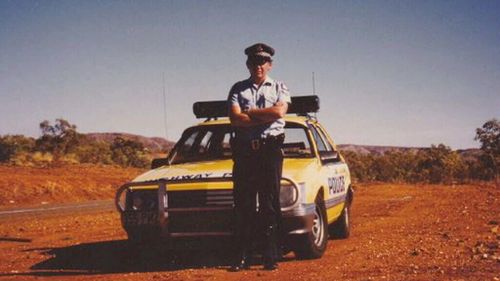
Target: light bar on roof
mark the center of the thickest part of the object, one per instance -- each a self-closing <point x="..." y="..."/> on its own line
<point x="210" y="109"/>
<point x="301" y="105"/>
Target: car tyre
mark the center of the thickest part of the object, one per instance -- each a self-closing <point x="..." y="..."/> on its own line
<point x="340" y="229"/>
<point x="312" y="245"/>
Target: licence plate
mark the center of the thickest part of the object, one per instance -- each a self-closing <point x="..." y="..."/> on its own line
<point x="140" y="218"/>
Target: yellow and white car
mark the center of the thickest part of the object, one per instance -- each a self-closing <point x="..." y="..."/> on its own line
<point x="189" y="193"/>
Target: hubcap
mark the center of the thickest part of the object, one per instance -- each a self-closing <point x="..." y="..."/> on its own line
<point x="317" y="229"/>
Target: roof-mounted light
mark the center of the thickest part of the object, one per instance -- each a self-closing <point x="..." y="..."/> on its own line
<point x="301" y="105"/>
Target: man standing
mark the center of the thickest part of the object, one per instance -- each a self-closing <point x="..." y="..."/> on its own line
<point x="256" y="109"/>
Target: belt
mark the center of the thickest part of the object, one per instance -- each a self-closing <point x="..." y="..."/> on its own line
<point x="256" y="144"/>
<point x="242" y="145"/>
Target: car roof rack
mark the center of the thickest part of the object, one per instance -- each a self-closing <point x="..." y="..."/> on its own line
<point x="301" y="105"/>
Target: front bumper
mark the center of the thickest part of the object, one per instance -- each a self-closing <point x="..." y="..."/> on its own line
<point x="206" y="221"/>
<point x="299" y="220"/>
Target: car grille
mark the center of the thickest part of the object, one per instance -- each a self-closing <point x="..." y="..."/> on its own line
<point x="192" y="212"/>
<point x="200" y="199"/>
<point x="200" y="211"/>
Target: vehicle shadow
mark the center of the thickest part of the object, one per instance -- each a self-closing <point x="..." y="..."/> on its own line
<point x="109" y="257"/>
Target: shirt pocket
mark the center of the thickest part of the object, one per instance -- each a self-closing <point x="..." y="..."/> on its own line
<point x="245" y="102"/>
<point x="271" y="99"/>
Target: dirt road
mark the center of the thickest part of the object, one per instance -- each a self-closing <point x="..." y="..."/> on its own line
<point x="93" y="206"/>
<point x="400" y="232"/>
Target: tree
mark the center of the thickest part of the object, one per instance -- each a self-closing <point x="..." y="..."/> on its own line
<point x="58" y="139"/>
<point x="489" y="136"/>
<point x="94" y="152"/>
<point x="360" y="166"/>
<point x="440" y="164"/>
<point x="128" y="153"/>
<point x="12" y="145"/>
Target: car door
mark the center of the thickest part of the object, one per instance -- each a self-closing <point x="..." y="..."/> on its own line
<point x="337" y="172"/>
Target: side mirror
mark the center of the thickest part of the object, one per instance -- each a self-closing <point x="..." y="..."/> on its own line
<point x="329" y="156"/>
<point x="158" y="162"/>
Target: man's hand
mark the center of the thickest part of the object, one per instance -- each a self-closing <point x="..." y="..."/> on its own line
<point x="269" y="114"/>
<point x="241" y="118"/>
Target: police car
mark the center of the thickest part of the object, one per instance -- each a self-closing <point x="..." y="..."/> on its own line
<point x="189" y="193"/>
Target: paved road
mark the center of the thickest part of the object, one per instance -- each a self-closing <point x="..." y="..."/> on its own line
<point x="51" y="209"/>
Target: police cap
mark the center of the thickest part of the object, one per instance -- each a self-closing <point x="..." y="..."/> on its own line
<point x="259" y="50"/>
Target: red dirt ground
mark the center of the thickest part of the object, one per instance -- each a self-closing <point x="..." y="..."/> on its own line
<point x="70" y="183"/>
<point x="399" y="232"/>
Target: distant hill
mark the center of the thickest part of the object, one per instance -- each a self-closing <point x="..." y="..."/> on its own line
<point x="375" y="149"/>
<point x="470" y="154"/>
<point x="154" y="144"/>
<point x="157" y="144"/>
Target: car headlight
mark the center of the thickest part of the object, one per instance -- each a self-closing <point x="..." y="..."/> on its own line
<point x="142" y="200"/>
<point x="121" y="198"/>
<point x="137" y="203"/>
<point x="289" y="194"/>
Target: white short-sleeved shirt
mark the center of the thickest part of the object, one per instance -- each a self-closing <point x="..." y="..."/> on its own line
<point x="248" y="95"/>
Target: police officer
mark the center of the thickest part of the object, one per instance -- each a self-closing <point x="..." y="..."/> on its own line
<point x="256" y="109"/>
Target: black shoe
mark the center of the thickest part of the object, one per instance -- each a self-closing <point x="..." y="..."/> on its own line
<point x="270" y="263"/>
<point x="270" y="266"/>
<point x="243" y="264"/>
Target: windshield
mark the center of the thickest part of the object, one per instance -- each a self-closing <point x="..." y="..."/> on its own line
<point x="208" y="143"/>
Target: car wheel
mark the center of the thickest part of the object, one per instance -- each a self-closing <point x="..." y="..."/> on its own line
<point x="340" y="228"/>
<point x="312" y="245"/>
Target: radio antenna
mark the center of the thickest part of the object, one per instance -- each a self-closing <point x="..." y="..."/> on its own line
<point x="164" y="106"/>
<point x="314" y="84"/>
<point x="314" y="93"/>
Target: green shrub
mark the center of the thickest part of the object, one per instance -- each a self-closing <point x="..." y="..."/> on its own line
<point x="11" y="145"/>
<point x="128" y="153"/>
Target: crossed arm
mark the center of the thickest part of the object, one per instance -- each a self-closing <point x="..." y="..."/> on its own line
<point x="257" y="116"/>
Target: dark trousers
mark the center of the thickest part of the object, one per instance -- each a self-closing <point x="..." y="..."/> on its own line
<point x="257" y="172"/>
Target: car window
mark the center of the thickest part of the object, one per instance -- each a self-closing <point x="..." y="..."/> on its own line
<point x="202" y="143"/>
<point x="206" y="143"/>
<point x="320" y="143"/>
<point x="226" y="145"/>
<point x="323" y="136"/>
<point x="188" y="143"/>
<point x="297" y="144"/>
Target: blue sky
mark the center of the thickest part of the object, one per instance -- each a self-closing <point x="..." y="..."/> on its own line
<point x="404" y="73"/>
